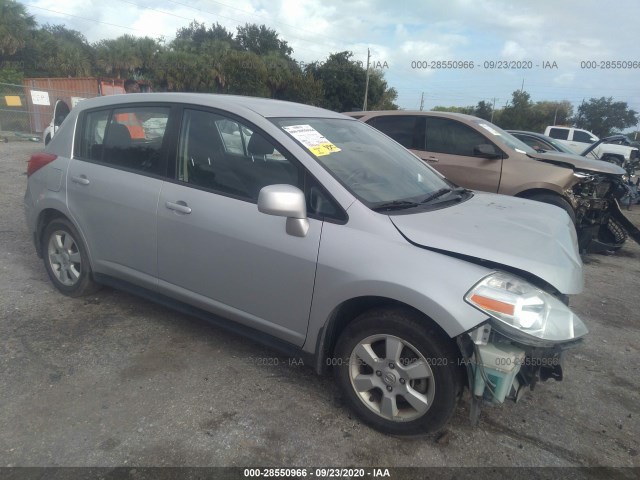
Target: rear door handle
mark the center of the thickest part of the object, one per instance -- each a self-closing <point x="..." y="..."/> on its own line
<point x="432" y="159"/>
<point x="179" y="206"/>
<point x="82" y="180"/>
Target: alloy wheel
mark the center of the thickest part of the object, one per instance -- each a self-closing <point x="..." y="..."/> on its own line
<point x="64" y="258"/>
<point x="392" y="378"/>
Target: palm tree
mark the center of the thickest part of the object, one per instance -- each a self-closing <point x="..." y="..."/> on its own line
<point x="15" y="27"/>
<point x="119" y="56"/>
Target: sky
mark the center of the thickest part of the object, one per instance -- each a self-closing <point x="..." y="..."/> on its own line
<point x="553" y="45"/>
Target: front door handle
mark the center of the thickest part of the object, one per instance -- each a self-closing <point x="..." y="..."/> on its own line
<point x="82" y="180"/>
<point x="179" y="206"/>
<point x="432" y="159"/>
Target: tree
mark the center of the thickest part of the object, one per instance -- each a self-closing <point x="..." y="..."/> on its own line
<point x="16" y="26"/>
<point x="380" y="96"/>
<point x="303" y="88"/>
<point x="245" y="74"/>
<point x="518" y="115"/>
<point x="197" y="35"/>
<point x="261" y="40"/>
<point x="603" y="116"/>
<point x="56" y="51"/>
<point x="183" y="71"/>
<point x="483" y="110"/>
<point x="147" y="50"/>
<point x="465" y="110"/>
<point x="118" y="57"/>
<point x="343" y="82"/>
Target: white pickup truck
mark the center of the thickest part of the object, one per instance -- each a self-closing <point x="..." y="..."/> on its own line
<point x="579" y="140"/>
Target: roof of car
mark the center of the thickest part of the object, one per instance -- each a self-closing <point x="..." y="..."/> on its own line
<point x="373" y="113"/>
<point x="265" y="107"/>
<point x="534" y="134"/>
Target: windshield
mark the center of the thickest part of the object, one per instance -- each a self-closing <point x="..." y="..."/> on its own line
<point x="499" y="135"/>
<point x="369" y="164"/>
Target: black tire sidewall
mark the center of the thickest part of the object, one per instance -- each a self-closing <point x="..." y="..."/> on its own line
<point x="85" y="284"/>
<point x="429" y="341"/>
<point x="556" y="200"/>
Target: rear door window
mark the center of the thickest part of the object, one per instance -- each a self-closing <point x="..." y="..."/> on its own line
<point x="407" y="130"/>
<point x="130" y="138"/>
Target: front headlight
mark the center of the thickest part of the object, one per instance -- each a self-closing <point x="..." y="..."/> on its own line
<point x="522" y="308"/>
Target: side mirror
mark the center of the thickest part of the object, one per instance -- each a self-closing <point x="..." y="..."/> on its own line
<point x="285" y="201"/>
<point x="485" y="150"/>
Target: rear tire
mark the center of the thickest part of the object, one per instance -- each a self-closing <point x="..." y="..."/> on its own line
<point x="66" y="260"/>
<point x="556" y="200"/>
<point x="398" y="372"/>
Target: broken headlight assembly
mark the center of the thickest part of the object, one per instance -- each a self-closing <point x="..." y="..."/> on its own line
<point x="523" y="312"/>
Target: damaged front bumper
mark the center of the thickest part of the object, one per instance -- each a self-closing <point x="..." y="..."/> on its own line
<point x="522" y="342"/>
<point x="499" y="368"/>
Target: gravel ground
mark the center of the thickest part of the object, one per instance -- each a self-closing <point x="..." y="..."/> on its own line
<point x="113" y="380"/>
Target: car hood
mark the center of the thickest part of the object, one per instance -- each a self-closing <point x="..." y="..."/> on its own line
<point x="579" y="162"/>
<point x="521" y="234"/>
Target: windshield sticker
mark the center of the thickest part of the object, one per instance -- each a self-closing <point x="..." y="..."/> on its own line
<point x="489" y="129"/>
<point x="312" y="139"/>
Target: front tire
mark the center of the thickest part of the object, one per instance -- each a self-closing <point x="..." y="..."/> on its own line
<point x="66" y="260"/>
<point x="613" y="233"/>
<point x="398" y="372"/>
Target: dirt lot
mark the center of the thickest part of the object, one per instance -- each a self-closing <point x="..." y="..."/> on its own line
<point x="115" y="380"/>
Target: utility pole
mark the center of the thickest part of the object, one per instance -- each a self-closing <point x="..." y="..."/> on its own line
<point x="555" y="115"/>
<point x="522" y="87"/>
<point x="422" y="102"/>
<point x="493" y="109"/>
<point x="366" y="86"/>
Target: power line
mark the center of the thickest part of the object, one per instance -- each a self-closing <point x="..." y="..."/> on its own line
<point x="87" y="19"/>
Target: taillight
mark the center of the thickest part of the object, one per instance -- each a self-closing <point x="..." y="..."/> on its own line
<point x="39" y="160"/>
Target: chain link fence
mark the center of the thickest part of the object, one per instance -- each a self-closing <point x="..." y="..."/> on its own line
<point x="26" y="110"/>
<point x="15" y="122"/>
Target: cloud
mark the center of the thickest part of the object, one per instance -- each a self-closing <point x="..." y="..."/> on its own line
<point x="513" y="51"/>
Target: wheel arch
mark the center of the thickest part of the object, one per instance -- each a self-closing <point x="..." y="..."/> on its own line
<point x="45" y="217"/>
<point x="532" y="192"/>
<point x="570" y="207"/>
<point x="349" y="310"/>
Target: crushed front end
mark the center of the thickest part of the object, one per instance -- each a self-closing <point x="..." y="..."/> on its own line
<point x="600" y="224"/>
<point x="524" y="340"/>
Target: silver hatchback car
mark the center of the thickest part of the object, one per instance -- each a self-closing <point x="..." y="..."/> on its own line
<point x="316" y="234"/>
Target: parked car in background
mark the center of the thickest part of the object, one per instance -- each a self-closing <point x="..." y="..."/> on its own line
<point x="318" y="235"/>
<point x="542" y="143"/>
<point x="617" y="151"/>
<point x="476" y="154"/>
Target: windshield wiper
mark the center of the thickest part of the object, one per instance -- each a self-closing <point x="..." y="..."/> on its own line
<point x="395" y="205"/>
<point x="443" y="191"/>
<point x="404" y="204"/>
